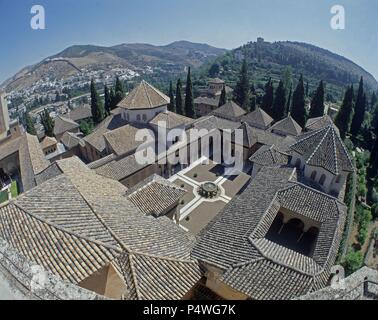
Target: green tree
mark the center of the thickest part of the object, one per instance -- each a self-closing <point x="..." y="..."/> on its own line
<point x="179" y="104"/>
<point x="373" y="100"/>
<point x="214" y="70"/>
<point x="241" y="92"/>
<point x="374" y="122"/>
<point x="359" y="110"/>
<point x="317" y="102"/>
<point x="279" y="103"/>
<point x="107" y="100"/>
<point x="172" y="103"/>
<point x="47" y="123"/>
<point x="118" y="91"/>
<point x="288" y="103"/>
<point x="189" y="99"/>
<point x="223" y="97"/>
<point x="267" y="101"/>
<point x="353" y="261"/>
<point x="298" y="110"/>
<point x="113" y="102"/>
<point x="287" y="79"/>
<point x="345" y="113"/>
<point x="98" y="112"/>
<point x="30" y="124"/>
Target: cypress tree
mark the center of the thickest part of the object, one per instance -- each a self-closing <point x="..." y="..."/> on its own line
<point x="107" y="100"/>
<point x="47" y="123"/>
<point x="189" y="100"/>
<point x="317" y="102"/>
<point x="279" y="103"/>
<point x="253" y="98"/>
<point x="288" y="103"/>
<point x="344" y="115"/>
<point x="373" y="101"/>
<point x="30" y="124"/>
<point x="241" y="92"/>
<point x="179" y="105"/>
<point x="113" y="103"/>
<point x="267" y="101"/>
<point x="118" y="91"/>
<point x="223" y="97"/>
<point x="298" y="110"/>
<point x="97" y="107"/>
<point x="172" y="104"/>
<point x="360" y="108"/>
<point x="374" y="122"/>
<point x="307" y="88"/>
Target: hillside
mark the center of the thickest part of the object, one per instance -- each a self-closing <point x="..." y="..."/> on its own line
<point x="267" y="59"/>
<point x="172" y="58"/>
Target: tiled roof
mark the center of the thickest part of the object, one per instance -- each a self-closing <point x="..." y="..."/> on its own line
<point x="66" y="254"/>
<point x="80" y="113"/>
<point x="31" y="157"/>
<point x="213" y="122"/>
<point x="320" y="122"/>
<point x="249" y="135"/>
<point x="269" y="156"/>
<point x="155" y="195"/>
<point x="120" y="168"/>
<point x="70" y="140"/>
<point x="258" y="118"/>
<point x="216" y="80"/>
<point x="324" y="148"/>
<point x="214" y="102"/>
<point x="144" y="96"/>
<point x="230" y="110"/>
<point x="152" y="278"/>
<point x="123" y="139"/>
<point x="235" y="240"/>
<point x="48" y="142"/>
<point x="287" y="126"/>
<point x="96" y="138"/>
<point x="62" y="124"/>
<point x="171" y="119"/>
<point x="77" y="222"/>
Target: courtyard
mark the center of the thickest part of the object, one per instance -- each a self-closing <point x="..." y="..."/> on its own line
<point x="198" y="206"/>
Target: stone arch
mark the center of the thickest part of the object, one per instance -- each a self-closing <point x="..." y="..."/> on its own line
<point x="138" y="117"/>
<point x="313" y="175"/>
<point x="298" y="163"/>
<point x="338" y="178"/>
<point x="322" y="179"/>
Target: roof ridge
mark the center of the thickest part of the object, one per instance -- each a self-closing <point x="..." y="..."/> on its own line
<point x="133" y="273"/>
<point x="318" y="145"/>
<point x="137" y="253"/>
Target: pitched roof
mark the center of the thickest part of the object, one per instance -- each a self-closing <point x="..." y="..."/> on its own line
<point x="324" y="148"/>
<point x="96" y="138"/>
<point x="80" y="113"/>
<point x="216" y="80"/>
<point x="144" y="96"/>
<point x="269" y="156"/>
<point x="287" y="126"/>
<point x="70" y="140"/>
<point x="249" y="135"/>
<point x="320" y="122"/>
<point x="87" y="222"/>
<point x="31" y="157"/>
<point x="119" y="168"/>
<point x="155" y="195"/>
<point x="213" y="122"/>
<point x="171" y="119"/>
<point x="62" y="124"/>
<point x="123" y="139"/>
<point x="235" y="240"/>
<point x="214" y="102"/>
<point x="230" y="110"/>
<point x="48" y="142"/>
<point x="258" y="118"/>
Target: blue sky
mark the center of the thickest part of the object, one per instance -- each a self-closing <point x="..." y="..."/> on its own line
<point x="222" y="23"/>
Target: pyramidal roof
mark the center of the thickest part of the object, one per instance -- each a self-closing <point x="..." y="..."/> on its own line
<point x="319" y="122"/>
<point x="288" y="126"/>
<point x="258" y="117"/>
<point x="144" y="96"/>
<point x="324" y="148"/>
<point x="230" y="109"/>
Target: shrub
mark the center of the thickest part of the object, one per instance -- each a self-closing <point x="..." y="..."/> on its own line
<point x="353" y="261"/>
<point x="374" y="210"/>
